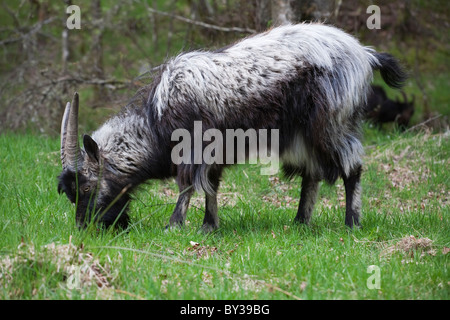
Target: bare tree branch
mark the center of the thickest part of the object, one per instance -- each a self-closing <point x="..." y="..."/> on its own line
<point x="34" y="29"/>
<point x="423" y="123"/>
<point x="202" y="24"/>
<point x="114" y="84"/>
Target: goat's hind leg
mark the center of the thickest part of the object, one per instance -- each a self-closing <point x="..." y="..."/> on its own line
<point x="211" y="220"/>
<point x="308" y="197"/>
<point x="353" y="197"/>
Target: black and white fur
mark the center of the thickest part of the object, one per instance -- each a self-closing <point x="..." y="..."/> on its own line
<point x="310" y="81"/>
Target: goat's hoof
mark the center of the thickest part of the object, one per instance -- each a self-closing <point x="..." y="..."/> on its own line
<point x="207" y="228"/>
<point x="173" y="227"/>
<point x="301" y="221"/>
<point x="353" y="226"/>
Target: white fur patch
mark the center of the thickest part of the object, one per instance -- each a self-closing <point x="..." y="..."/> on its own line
<point x="118" y="141"/>
<point x="298" y="155"/>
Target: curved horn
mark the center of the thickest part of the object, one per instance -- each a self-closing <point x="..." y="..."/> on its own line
<point x="71" y="156"/>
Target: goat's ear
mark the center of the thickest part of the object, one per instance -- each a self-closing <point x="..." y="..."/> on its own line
<point x="91" y="148"/>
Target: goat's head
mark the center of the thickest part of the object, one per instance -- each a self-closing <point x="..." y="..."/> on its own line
<point x="87" y="178"/>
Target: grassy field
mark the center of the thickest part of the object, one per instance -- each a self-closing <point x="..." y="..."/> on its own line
<point x="258" y="253"/>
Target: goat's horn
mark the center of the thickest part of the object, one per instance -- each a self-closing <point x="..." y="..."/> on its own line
<point x="70" y="149"/>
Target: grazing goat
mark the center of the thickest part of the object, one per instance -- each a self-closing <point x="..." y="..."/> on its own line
<point x="308" y="81"/>
<point x="380" y="109"/>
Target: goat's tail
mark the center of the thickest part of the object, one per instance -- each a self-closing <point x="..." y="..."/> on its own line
<point x="390" y="68"/>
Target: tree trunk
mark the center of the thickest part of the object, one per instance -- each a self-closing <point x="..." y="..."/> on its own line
<point x="263" y="14"/>
<point x="293" y="11"/>
<point x="322" y="10"/>
<point x="97" y="48"/>
<point x="282" y="12"/>
<point x="65" y="43"/>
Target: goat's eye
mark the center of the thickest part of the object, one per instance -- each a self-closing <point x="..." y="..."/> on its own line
<point x="86" y="188"/>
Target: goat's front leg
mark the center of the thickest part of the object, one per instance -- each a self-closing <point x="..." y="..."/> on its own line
<point x="353" y="197"/>
<point x="179" y="214"/>
<point x="308" y="197"/>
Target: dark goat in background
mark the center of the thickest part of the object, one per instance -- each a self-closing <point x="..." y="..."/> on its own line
<point x="309" y="81"/>
<point x="381" y="109"/>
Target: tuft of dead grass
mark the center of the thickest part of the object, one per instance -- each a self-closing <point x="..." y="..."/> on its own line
<point x="78" y="269"/>
<point x="410" y="247"/>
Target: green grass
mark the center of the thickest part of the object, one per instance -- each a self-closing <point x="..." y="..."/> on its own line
<point x="258" y="253"/>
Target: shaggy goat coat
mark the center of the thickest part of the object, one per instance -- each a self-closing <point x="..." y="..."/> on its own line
<point x="309" y="81"/>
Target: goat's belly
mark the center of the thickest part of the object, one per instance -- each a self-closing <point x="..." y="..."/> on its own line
<point x="299" y="156"/>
